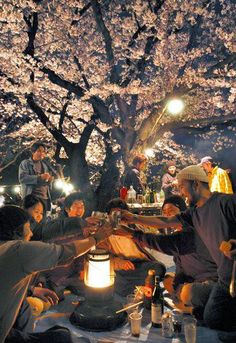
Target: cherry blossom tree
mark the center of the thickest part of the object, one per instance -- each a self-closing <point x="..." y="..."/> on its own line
<point x="94" y="77"/>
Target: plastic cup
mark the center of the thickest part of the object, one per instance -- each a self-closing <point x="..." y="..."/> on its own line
<point x="190" y="329"/>
<point x="135" y="322"/>
<point x="130" y="300"/>
<point x="177" y="318"/>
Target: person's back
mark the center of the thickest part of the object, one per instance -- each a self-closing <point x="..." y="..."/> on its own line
<point x="18" y="260"/>
<point x="219" y="181"/>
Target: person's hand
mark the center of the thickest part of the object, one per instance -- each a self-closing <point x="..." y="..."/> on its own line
<point x="45" y="176"/>
<point x="89" y="230"/>
<point x="51" y="178"/>
<point x="121" y="264"/>
<point x="46" y="295"/>
<point x="231" y="253"/>
<point x="175" y="182"/>
<point x="103" y="232"/>
<point x="93" y="221"/>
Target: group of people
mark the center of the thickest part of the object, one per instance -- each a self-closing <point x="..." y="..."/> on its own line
<point x="34" y="251"/>
<point x="207" y="272"/>
<point x="218" y="178"/>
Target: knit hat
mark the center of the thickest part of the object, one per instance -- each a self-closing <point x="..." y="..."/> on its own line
<point x="11" y="218"/>
<point x="194" y="172"/>
<point x="177" y="201"/>
<point x="206" y="159"/>
<point x="170" y="164"/>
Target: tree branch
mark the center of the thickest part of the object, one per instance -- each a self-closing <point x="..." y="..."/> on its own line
<point x="76" y="60"/>
<point x="115" y="77"/>
<point x="46" y="122"/>
<point x="99" y="106"/>
<point x="69" y="85"/>
<point x="32" y="30"/>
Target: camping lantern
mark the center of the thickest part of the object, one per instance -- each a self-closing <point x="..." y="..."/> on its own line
<point x="98" y="311"/>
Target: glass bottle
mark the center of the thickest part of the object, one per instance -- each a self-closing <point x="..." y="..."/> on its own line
<point x="149" y="287"/>
<point x="157" y="306"/>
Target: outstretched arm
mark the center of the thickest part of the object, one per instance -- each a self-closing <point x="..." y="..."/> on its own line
<point x="158" y="222"/>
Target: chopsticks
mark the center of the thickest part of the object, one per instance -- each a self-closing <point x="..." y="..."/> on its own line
<point x="128" y="307"/>
<point x="232" y="282"/>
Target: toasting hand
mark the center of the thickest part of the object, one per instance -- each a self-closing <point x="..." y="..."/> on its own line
<point x="229" y="248"/>
<point x="127" y="217"/>
<point x="103" y="232"/>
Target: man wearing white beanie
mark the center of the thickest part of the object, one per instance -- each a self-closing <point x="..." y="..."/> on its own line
<point x="213" y="216"/>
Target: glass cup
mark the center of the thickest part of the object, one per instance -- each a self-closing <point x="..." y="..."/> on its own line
<point x="135" y="322"/>
<point x="100" y="216"/>
<point x="177" y="318"/>
<point x="190" y="329"/>
<point x="130" y="300"/>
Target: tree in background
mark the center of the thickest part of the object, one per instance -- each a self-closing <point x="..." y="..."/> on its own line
<point x="93" y="77"/>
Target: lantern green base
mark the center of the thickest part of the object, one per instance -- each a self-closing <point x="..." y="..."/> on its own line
<point x="98" y="316"/>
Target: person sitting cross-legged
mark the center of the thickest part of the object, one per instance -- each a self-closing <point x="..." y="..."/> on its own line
<point x="196" y="272"/>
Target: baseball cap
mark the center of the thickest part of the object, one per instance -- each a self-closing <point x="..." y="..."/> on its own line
<point x="206" y="159"/>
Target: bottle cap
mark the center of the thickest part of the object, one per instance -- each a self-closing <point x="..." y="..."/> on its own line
<point x="151" y="272"/>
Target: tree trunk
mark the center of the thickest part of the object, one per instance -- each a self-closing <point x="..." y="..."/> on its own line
<point x="109" y="183"/>
<point x="79" y="174"/>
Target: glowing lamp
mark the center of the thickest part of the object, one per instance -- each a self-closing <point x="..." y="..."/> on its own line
<point x="98" y="311"/>
<point x="68" y="188"/>
<point x="99" y="271"/>
<point x="17" y="189"/>
<point x="149" y="152"/>
<point x="59" y="184"/>
<point x="175" y="106"/>
<point x="2" y="200"/>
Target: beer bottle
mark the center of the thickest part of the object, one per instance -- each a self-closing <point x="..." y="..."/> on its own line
<point x="149" y="287"/>
<point x="157" y="307"/>
<point x="147" y="196"/>
<point x="152" y="200"/>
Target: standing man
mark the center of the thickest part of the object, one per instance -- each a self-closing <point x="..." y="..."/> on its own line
<point x="35" y="175"/>
<point x="133" y="176"/>
<point x="213" y="217"/>
<point x="219" y="180"/>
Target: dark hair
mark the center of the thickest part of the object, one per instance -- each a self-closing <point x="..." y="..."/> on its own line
<point x="177" y="201"/>
<point x="139" y="159"/>
<point x="71" y="198"/>
<point x="31" y="200"/>
<point x="116" y="203"/>
<point x="12" y="220"/>
<point x="36" y="145"/>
